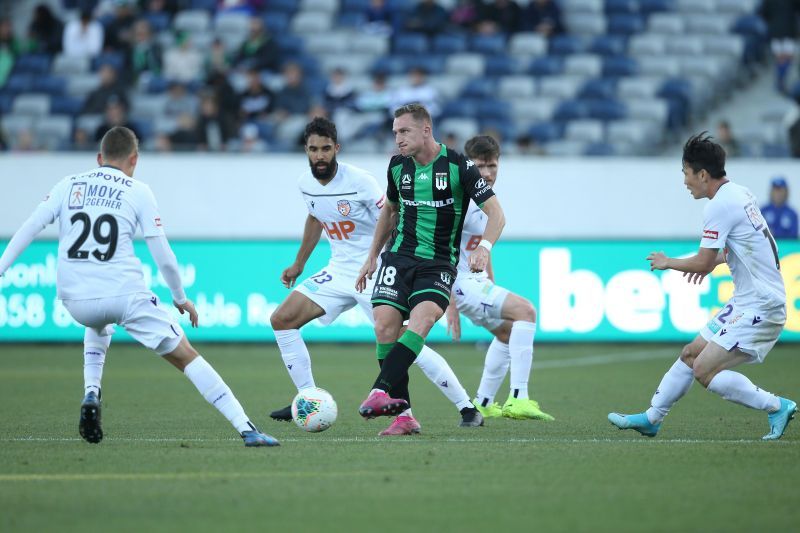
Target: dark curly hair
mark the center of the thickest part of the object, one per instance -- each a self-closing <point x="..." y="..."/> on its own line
<point x="700" y="152"/>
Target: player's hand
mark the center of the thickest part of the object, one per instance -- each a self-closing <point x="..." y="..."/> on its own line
<point x="658" y="261"/>
<point x="188" y="307"/>
<point x="367" y="270"/>
<point x="694" y="277"/>
<point x="453" y="322"/>
<point x="478" y="259"/>
<point x="289" y="276"/>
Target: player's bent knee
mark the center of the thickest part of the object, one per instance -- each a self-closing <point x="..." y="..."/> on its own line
<point x="703" y="374"/>
<point x="688" y="355"/>
<point x="182" y="355"/>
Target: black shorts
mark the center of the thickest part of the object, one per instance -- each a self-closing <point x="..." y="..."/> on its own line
<point x="403" y="282"/>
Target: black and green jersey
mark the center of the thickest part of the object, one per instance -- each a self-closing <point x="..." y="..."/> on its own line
<point x="433" y="203"/>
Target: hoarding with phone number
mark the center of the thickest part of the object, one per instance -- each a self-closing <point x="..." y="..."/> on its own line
<point x="583" y="291"/>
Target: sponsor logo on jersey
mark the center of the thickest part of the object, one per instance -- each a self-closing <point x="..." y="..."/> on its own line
<point x="431" y="203"/>
<point x="470" y="163"/>
<point x="441" y="180"/>
<point x="709" y="234"/>
<point x="423" y="177"/>
<point x="344" y="207"/>
<point x="480" y="184"/>
<point x="157" y="221"/>
<point x="77" y="195"/>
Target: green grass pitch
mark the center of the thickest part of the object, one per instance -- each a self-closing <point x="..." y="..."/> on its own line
<point x="170" y="462"/>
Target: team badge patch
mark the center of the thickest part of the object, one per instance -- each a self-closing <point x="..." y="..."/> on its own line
<point x="344" y="207"/>
<point x="445" y="277"/>
<point x="77" y="195"/>
<point x="441" y="181"/>
<point x="710" y="234"/>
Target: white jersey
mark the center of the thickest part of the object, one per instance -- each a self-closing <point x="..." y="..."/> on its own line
<point x="471" y="234"/>
<point x="348" y="207"/>
<point x="732" y="220"/>
<point x="99" y="212"/>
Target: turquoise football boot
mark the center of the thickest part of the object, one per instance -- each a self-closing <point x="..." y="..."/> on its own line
<point x="639" y="422"/>
<point x="780" y="419"/>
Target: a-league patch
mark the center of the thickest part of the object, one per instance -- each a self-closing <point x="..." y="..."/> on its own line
<point x="710" y="234"/>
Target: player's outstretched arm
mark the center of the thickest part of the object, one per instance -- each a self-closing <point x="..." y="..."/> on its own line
<point x="496" y="220"/>
<point x="24" y="236"/>
<point x="168" y="266"/>
<point x="703" y="262"/>
<point x="188" y="307"/>
<point x="312" y="232"/>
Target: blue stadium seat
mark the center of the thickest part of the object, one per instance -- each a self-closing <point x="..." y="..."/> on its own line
<point x="159" y="22"/>
<point x="282" y="6"/>
<point x="288" y="43"/>
<point x="656" y="6"/>
<point x="351" y="19"/>
<point x="460" y="107"/>
<point x="750" y="25"/>
<point x="115" y="59"/>
<point x="771" y="150"/>
<point x="52" y="85"/>
<point x="66" y="105"/>
<point x="6" y="100"/>
<point x="157" y="85"/>
<point x="543" y="132"/>
<point x="566" y="44"/>
<point x="479" y="88"/>
<point x="493" y="109"/>
<point x="599" y="149"/>
<point x="571" y="110"/>
<point x="429" y="63"/>
<point x="19" y="83"/>
<point x="277" y="23"/>
<point x="609" y="45"/>
<point x="488" y="44"/>
<point x="390" y="65"/>
<point x="546" y="66"/>
<point x="410" y="43"/>
<point x="504" y="127"/>
<point x="613" y="7"/>
<point x="678" y="93"/>
<point x="32" y="64"/>
<point x="626" y="24"/>
<point x="355" y="5"/>
<point x="208" y="5"/>
<point x="616" y="66"/>
<point x="401" y="6"/>
<point x="606" y="109"/>
<point x="604" y="88"/>
<point x="145" y="128"/>
<point x="502" y="65"/>
<point x="450" y="43"/>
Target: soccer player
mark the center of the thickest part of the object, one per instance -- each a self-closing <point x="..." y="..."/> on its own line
<point x="100" y="279"/>
<point x="746" y="329"/>
<point x="428" y="192"/>
<point x="345" y="202"/>
<point x="508" y="316"/>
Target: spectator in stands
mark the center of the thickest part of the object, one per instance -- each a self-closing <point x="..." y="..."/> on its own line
<point x="465" y="14"/>
<point x="145" y="54"/>
<point x="727" y="140"/>
<point x="499" y="16"/>
<point x="427" y="17"/>
<point x="780" y="217"/>
<point x="218" y="59"/>
<point x="110" y="89"/>
<point x="83" y="141"/>
<point x="184" y="139"/>
<point x="294" y="98"/>
<point x="10" y="48"/>
<point x="544" y="17"/>
<point x="259" y="50"/>
<point x="213" y="130"/>
<point x="179" y="101"/>
<point x="119" y="29"/>
<point x="379" y="18"/>
<point x="418" y="90"/>
<point x="250" y="7"/>
<point x="169" y="7"/>
<point x="527" y="145"/>
<point x="781" y="19"/>
<point x="225" y="98"/>
<point x="83" y="37"/>
<point x="45" y="31"/>
<point x="183" y="62"/>
<point x="116" y="114"/>
<point x="339" y="92"/>
<point x="256" y="102"/>
<point x="249" y="140"/>
<point x="377" y="98"/>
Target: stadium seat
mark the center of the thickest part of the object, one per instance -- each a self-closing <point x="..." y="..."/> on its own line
<point x="582" y="6"/>
<point x="32" y="64"/>
<point x="449" y="43"/>
<point x="566" y="44"/>
<point x="647" y="44"/>
<point x="776" y="151"/>
<point x="586" y="24"/>
<point x="510" y="87"/>
<point x="729" y="45"/>
<point x="390" y="65"/>
<point x="621" y="6"/>
<point x="656" y="6"/>
<point x="634" y="132"/>
<point x="488" y="44"/>
<point x="666" y="24"/>
<point x="736" y="7"/>
<point x="410" y="43"/>
<point x="547" y="131"/>
<point x="604" y="88"/>
<point x="462" y="127"/>
<point x="695" y="6"/>
<point x="53" y="131"/>
<point x="527" y="44"/>
<point x="599" y="149"/>
<point x="63" y="64"/>
<point x="480" y="88"/>
<point x="277" y="22"/>
<point x="493" y="109"/>
<point x="328" y="6"/>
<point x="308" y="22"/>
<point x="355" y="5"/>
<point x="351" y="20"/>
<point x="88" y="123"/>
<point x="606" y="109"/>
<point x="565" y="148"/>
<point x="502" y="65"/>
<point x="708" y="24"/>
<point x="52" y="85"/>
<point x="14" y="124"/>
<point x="332" y="42"/>
<point x="638" y="87"/>
<point x="502" y="127"/>
<point x="66" y="105"/>
<point x="527" y="110"/>
<point x="546" y="66"/>
<point x="431" y="64"/>
<point x="608" y="45"/>
<point x="650" y="109"/>
<point x="686" y="46"/>
<point x="353" y="63"/>
<point x="148" y="105"/>
<point x="587" y="131"/>
<point x="583" y="65"/>
<point x="619" y="66"/>
<point x="287" y="7"/>
<point x="115" y="59"/>
<point x="571" y="110"/>
<point x="448" y="85"/>
<point x="208" y="5"/>
<point x="461" y="108"/>
<point x="192" y="21"/>
<point x="6" y="101"/>
<point x="234" y="22"/>
<point x="659" y="66"/>
<point x="626" y="24"/>
<point x="19" y="83"/>
<point x="31" y="104"/>
<point x="158" y="21"/>
<point x="467" y="64"/>
<point x="374" y="44"/>
<point x="560" y="86"/>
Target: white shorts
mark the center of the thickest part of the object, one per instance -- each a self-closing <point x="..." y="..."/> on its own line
<point x="335" y="292"/>
<point x="480" y="300"/>
<point x="140" y="314"/>
<point x="745" y="330"/>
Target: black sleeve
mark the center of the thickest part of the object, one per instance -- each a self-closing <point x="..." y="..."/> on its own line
<point x="392" y="194"/>
<point x="473" y="184"/>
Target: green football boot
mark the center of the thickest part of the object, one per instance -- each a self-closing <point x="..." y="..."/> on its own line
<point x="523" y="409"/>
<point x="492" y="410"/>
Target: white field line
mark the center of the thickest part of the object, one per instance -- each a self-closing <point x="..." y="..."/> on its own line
<point x="606" y="359"/>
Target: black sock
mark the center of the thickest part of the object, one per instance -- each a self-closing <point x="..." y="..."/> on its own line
<point x="485" y="402"/>
<point x="516" y="392"/>
<point x="394" y="369"/>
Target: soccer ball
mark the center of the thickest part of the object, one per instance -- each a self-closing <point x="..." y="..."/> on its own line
<point x="314" y="409"/>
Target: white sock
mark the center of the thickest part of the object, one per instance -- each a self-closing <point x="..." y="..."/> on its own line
<point x="520" y="345"/>
<point x="295" y="356"/>
<point x="495" y="367"/>
<point x="439" y="372"/>
<point x="674" y="385"/>
<point x="95" y="348"/>
<point x="407" y="412"/>
<point x="737" y="388"/>
<point x="217" y="393"/>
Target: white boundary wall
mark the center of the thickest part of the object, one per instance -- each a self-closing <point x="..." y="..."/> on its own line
<point x="255" y="197"/>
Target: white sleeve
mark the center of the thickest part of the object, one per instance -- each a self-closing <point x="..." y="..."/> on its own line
<point x="717" y="224"/>
<point x="167" y="265"/>
<point x="149" y="218"/>
<point x="374" y="195"/>
<point x="44" y="214"/>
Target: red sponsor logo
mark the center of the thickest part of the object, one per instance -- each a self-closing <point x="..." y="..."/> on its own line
<point x="708" y="234"/>
<point x="158" y="222"/>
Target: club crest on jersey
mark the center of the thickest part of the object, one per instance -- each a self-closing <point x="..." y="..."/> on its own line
<point x="77" y="195"/>
<point x="445" y="276"/>
<point x="344" y="207"/>
<point x="441" y="181"/>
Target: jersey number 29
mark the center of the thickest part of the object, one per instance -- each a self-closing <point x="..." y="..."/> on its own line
<point x="105" y="231"/>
